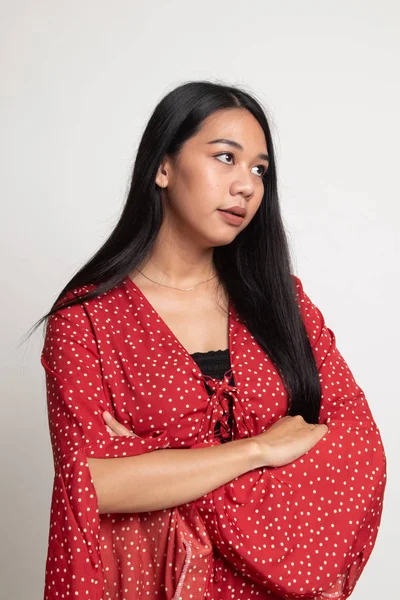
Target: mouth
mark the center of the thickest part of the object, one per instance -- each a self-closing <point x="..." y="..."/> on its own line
<point x="235" y="210"/>
<point x="231" y="217"/>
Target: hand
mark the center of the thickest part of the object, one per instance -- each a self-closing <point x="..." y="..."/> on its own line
<point x="115" y="428"/>
<point x="288" y="439"/>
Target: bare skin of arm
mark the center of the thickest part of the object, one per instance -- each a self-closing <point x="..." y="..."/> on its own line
<point x="170" y="477"/>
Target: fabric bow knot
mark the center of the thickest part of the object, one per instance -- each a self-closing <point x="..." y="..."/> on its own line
<point x="218" y="409"/>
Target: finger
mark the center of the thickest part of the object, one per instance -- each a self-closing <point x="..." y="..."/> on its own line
<point x="110" y="431"/>
<point x="321" y="430"/>
<point x="319" y="425"/>
<point x="115" y="426"/>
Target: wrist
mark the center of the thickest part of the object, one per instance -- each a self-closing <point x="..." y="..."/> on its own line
<point x="251" y="450"/>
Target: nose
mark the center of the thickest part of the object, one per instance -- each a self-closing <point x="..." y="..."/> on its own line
<point x="243" y="183"/>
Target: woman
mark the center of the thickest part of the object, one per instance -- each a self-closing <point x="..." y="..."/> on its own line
<point x="240" y="458"/>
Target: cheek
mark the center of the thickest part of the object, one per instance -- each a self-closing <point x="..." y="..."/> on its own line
<point x="198" y="189"/>
<point x="201" y="197"/>
<point x="254" y="207"/>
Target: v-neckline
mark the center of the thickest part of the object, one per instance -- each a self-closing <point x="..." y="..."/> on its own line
<point x="195" y="367"/>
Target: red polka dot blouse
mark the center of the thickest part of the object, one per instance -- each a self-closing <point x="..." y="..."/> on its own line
<point x="305" y="530"/>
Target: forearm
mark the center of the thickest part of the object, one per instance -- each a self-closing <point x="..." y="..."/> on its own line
<point x="168" y="477"/>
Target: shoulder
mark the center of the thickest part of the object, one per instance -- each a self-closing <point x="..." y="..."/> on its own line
<point x="87" y="321"/>
<point x="301" y="296"/>
<point x="75" y="319"/>
<point x="297" y="283"/>
<point x="304" y="301"/>
<point x="95" y="311"/>
<point x="311" y="315"/>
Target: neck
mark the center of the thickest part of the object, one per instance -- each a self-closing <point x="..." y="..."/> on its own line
<point x="178" y="263"/>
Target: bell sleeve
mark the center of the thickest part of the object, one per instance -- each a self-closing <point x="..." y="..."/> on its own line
<point x="307" y="529"/>
<point x="77" y="395"/>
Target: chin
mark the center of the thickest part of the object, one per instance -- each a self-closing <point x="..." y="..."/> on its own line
<point x="222" y="239"/>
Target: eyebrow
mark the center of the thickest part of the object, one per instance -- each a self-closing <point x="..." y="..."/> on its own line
<point x="236" y="145"/>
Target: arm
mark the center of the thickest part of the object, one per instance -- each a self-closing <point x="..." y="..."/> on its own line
<point x="170" y="477"/>
<point x="311" y="524"/>
<point x="352" y="456"/>
<point x="77" y="396"/>
<point x="141" y="482"/>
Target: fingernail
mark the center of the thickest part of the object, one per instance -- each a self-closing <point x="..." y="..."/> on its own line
<point x="106" y="414"/>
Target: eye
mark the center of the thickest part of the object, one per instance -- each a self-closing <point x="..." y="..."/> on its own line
<point x="224" y="154"/>
<point x="264" y="170"/>
<point x="262" y="167"/>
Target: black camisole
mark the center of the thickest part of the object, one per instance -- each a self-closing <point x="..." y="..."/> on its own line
<point x="215" y="363"/>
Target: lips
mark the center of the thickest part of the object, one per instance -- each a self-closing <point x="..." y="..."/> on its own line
<point x="230" y="218"/>
<point x="234" y="210"/>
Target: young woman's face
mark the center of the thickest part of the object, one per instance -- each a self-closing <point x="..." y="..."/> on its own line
<point x="210" y="176"/>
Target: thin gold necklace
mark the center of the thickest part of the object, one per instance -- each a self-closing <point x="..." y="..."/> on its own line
<point x="175" y="288"/>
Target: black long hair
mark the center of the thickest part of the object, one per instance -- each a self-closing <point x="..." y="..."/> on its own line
<point x="255" y="268"/>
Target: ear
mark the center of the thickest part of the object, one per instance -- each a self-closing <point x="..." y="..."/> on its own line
<point x="162" y="178"/>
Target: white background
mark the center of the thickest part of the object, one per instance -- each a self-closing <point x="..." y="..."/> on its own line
<point x="79" y="81"/>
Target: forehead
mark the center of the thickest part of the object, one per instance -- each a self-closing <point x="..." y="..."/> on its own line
<point x="235" y="124"/>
